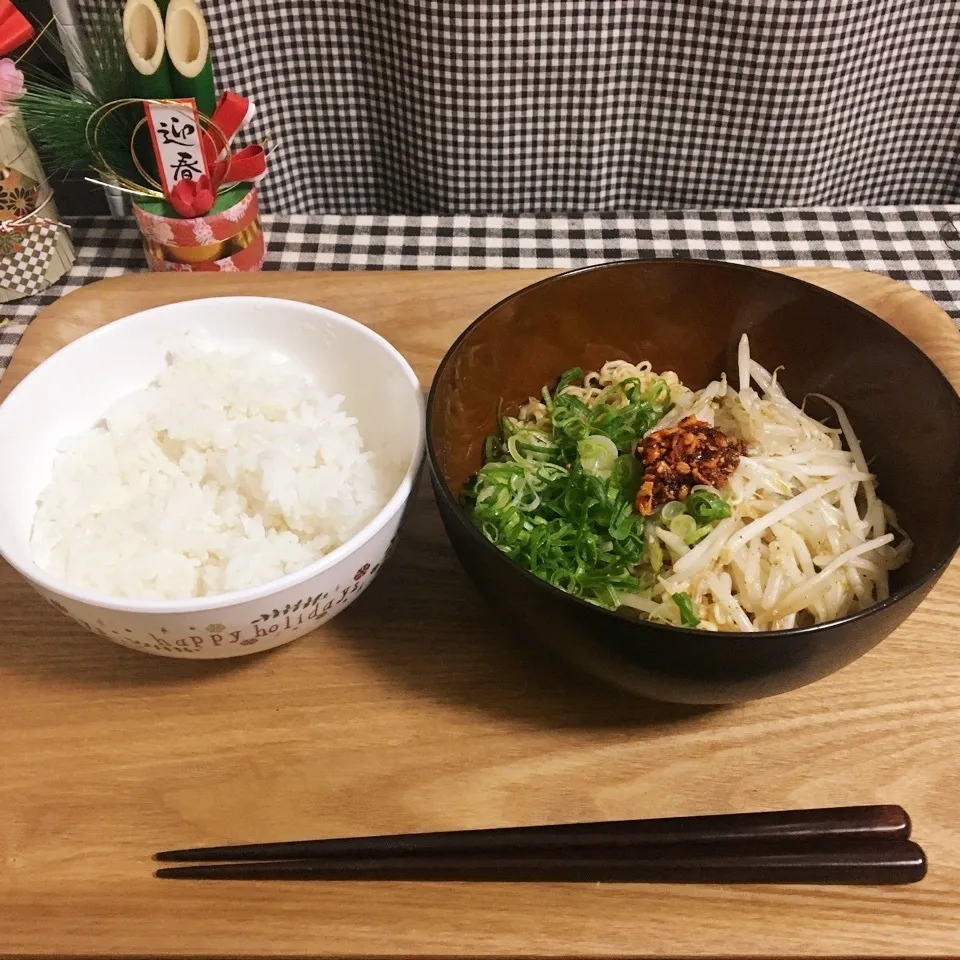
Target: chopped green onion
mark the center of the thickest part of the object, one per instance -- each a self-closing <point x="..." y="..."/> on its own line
<point x="701" y="532"/>
<point x="688" y="613"/>
<point x="707" y="507"/>
<point x="530" y="446"/>
<point x="569" y="377"/>
<point x="492" y="449"/>
<point x="684" y="527"/>
<point x="655" y="556"/>
<point x="559" y="499"/>
<point x="671" y="510"/>
<point x="597" y="455"/>
<point x="625" y="522"/>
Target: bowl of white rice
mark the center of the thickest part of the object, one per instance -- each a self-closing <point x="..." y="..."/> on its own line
<point x="211" y="478"/>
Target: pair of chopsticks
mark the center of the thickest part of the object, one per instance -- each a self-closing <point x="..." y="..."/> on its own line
<point x="838" y="845"/>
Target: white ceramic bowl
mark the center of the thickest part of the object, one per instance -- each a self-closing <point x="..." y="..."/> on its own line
<point x="69" y="392"/>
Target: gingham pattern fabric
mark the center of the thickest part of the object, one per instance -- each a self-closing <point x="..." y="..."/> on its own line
<point x="23" y="269"/>
<point x="572" y="106"/>
<point x="919" y="245"/>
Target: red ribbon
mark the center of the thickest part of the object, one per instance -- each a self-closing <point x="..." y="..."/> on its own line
<point x="250" y="163"/>
<point x="193" y="198"/>
<point x="233" y="113"/>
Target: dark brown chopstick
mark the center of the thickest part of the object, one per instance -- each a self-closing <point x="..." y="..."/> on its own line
<point x="868" y="823"/>
<point x="861" y="862"/>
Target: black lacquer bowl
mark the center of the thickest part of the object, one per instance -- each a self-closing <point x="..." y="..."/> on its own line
<point x="688" y="316"/>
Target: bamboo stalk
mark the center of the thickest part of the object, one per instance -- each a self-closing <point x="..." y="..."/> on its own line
<point x="188" y="47"/>
<point x="143" y="34"/>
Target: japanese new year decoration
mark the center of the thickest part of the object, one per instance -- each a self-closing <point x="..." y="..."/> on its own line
<point x="35" y="248"/>
<point x="194" y="161"/>
<point x="171" y="146"/>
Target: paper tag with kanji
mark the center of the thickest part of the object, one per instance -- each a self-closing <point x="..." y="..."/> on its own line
<point x="177" y="142"/>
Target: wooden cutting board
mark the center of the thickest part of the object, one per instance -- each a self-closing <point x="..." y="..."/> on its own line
<point x="412" y="712"/>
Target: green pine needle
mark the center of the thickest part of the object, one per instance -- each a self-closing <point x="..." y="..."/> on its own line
<point x="55" y="113"/>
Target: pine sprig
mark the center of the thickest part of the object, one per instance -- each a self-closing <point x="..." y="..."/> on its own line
<point x="55" y="113"/>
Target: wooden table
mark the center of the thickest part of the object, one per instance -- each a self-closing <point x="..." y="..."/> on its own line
<point x="411" y="712"/>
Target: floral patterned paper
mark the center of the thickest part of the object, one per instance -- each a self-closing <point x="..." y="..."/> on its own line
<point x="18" y="194"/>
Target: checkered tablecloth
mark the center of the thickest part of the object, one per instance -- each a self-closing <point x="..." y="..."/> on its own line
<point x="920" y="245"/>
<point x="563" y="106"/>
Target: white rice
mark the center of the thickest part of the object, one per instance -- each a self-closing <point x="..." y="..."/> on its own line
<point x="227" y="472"/>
